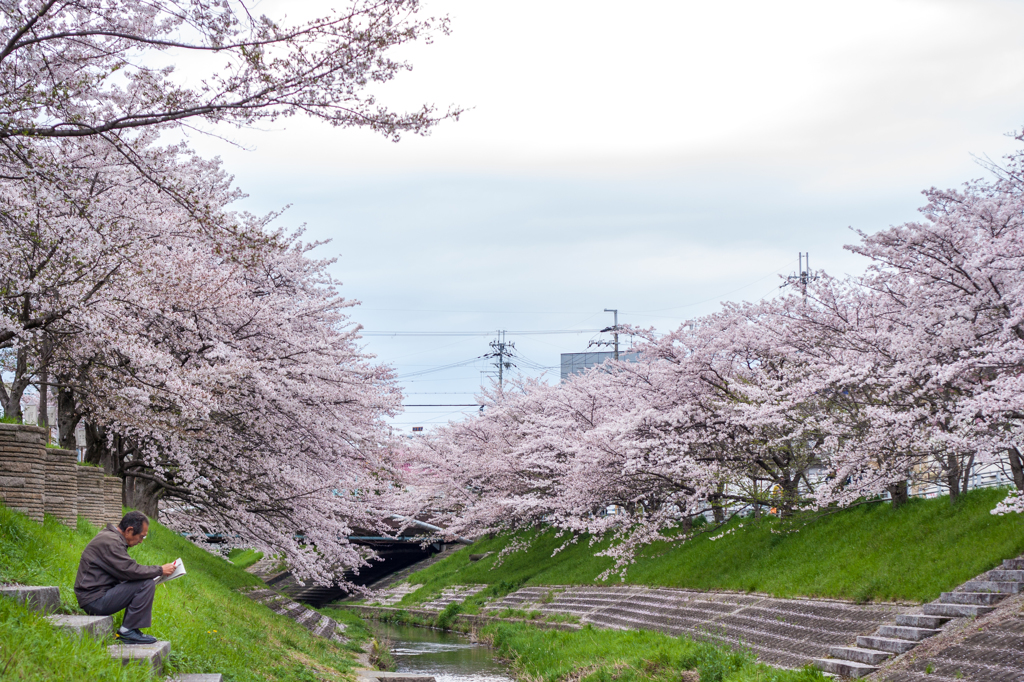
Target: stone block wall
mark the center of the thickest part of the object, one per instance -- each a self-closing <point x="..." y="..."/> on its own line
<point x="91" y="502"/>
<point x="112" y="499"/>
<point x="23" y="468"/>
<point x="61" y="485"/>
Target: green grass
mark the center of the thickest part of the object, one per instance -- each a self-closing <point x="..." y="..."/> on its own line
<point x="593" y="655"/>
<point x="211" y="627"/>
<point x="869" y="552"/>
<point x="31" y="649"/>
<point x="244" y="558"/>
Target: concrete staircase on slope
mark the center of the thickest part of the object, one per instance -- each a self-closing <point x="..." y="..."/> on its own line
<point x="455" y="594"/>
<point x="46" y="600"/>
<point x="317" y="623"/>
<point x="972" y="599"/>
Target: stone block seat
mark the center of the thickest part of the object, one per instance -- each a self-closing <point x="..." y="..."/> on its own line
<point x="94" y="626"/>
<point x="152" y="655"/>
<point x="972" y="599"/>
<point x="35" y="598"/>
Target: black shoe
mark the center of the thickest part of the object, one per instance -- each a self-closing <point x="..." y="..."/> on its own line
<point x="133" y="637"/>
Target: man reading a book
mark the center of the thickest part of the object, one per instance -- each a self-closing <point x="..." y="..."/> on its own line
<point x="109" y="580"/>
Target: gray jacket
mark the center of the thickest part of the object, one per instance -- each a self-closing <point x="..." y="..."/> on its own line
<point x="105" y="563"/>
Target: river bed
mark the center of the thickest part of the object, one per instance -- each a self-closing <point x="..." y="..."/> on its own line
<point x="448" y="656"/>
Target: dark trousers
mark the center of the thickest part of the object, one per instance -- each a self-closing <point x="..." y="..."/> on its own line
<point x="136" y="598"/>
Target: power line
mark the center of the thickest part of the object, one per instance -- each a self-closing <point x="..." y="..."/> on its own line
<point x="536" y="332"/>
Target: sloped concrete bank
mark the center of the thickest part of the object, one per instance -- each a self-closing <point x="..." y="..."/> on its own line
<point x="784" y="632"/>
<point x="975" y="632"/>
<point x="470" y="620"/>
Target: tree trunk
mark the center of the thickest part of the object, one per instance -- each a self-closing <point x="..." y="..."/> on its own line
<point x="143" y="495"/>
<point x="96" y="447"/>
<point x="43" y="415"/>
<point x="899" y="493"/>
<point x="953" y="477"/>
<point x="68" y="417"/>
<point x="790" y="495"/>
<point x="716" y="505"/>
<point x="966" y="476"/>
<point x="22" y="379"/>
<point x="1016" y="467"/>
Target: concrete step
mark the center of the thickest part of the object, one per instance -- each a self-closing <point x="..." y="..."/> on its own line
<point x="919" y="621"/>
<point x="1014" y="564"/>
<point x="894" y="646"/>
<point x="955" y="610"/>
<point x="1002" y="575"/>
<point x="41" y="599"/>
<point x="991" y="586"/>
<point x="976" y="598"/>
<point x="865" y="656"/>
<point x="94" y="626"/>
<point x="905" y="632"/>
<point x="152" y="655"/>
<point x="200" y="677"/>
<point x="843" y="668"/>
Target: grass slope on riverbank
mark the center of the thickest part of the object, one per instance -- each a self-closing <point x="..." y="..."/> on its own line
<point x="869" y="552"/>
<point x="594" y="655"/>
<point x="211" y="627"/>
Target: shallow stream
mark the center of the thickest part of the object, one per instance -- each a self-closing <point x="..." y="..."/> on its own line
<point x="448" y="656"/>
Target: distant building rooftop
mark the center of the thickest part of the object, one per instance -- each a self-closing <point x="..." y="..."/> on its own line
<point x="578" y="363"/>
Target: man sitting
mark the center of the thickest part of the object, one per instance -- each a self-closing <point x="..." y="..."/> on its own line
<point x="109" y="580"/>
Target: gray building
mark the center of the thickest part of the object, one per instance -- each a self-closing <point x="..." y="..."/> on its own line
<point x="578" y="363"/>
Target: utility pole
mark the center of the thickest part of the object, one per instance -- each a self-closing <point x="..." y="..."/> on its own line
<point x="499" y="350"/>
<point x="614" y="329"/>
<point x="803" y="276"/>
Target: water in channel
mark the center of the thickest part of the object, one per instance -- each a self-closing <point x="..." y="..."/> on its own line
<point x="448" y="656"/>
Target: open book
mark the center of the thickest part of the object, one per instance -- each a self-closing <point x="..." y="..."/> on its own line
<point x="179" y="570"/>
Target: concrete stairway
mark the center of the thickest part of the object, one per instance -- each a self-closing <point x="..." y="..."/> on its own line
<point x="391" y="595"/>
<point x="452" y="595"/>
<point x="972" y="599"/>
<point x="46" y="600"/>
<point x="317" y="623"/>
<point x="784" y="632"/>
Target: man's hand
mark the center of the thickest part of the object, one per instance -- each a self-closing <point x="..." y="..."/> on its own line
<point x="168" y="568"/>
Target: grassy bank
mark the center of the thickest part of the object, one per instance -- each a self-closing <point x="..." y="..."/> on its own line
<point x="869" y="552"/>
<point x="211" y="627"/>
<point x="593" y="655"/>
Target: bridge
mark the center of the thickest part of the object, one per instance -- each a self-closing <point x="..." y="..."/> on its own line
<point x="419" y="541"/>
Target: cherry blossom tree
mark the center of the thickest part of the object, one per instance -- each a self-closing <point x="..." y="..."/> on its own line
<point x="79" y="68"/>
<point x="838" y="393"/>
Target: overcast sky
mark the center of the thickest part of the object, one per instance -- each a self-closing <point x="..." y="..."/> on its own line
<point x="657" y="157"/>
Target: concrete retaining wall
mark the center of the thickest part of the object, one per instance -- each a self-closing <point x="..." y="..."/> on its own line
<point x="112" y="499"/>
<point x="91" y="503"/>
<point x="23" y="468"/>
<point x="61" y="485"/>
